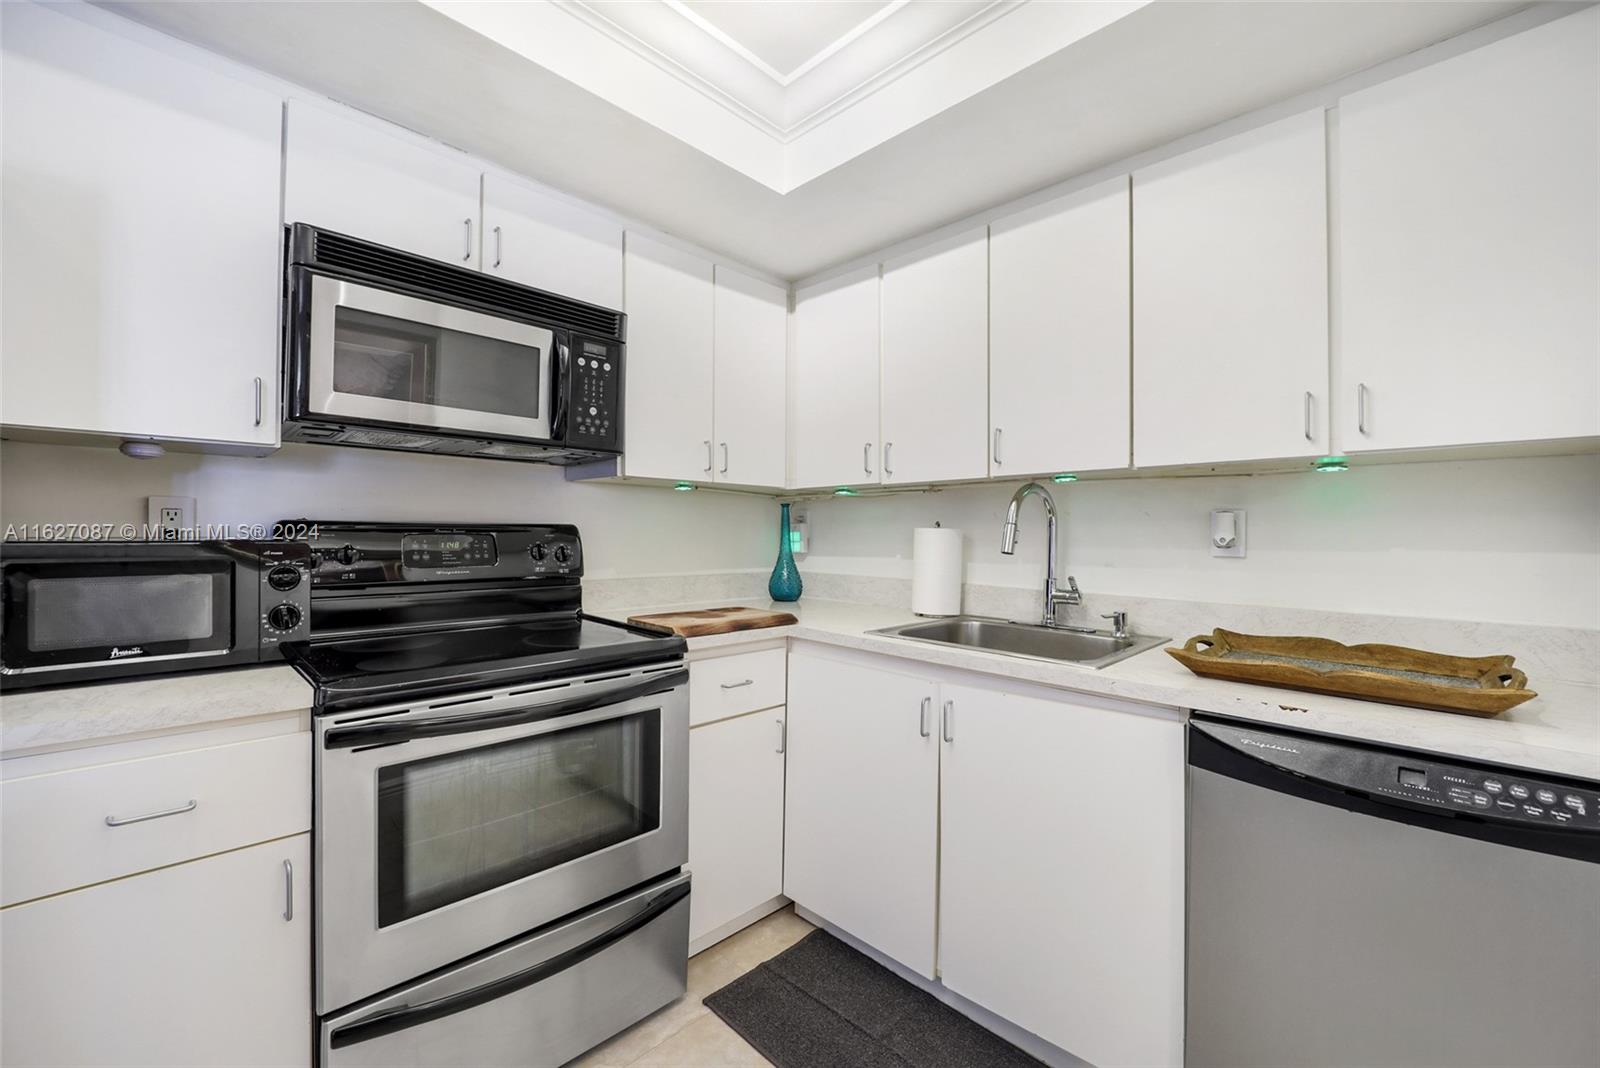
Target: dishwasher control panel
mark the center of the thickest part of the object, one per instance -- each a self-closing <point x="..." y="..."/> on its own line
<point x="1495" y="794"/>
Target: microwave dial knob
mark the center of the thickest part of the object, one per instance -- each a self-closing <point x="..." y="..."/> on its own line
<point x="283" y="578"/>
<point x="283" y="617"/>
<point x="347" y="555"/>
<point x="539" y="552"/>
<point x="563" y="554"/>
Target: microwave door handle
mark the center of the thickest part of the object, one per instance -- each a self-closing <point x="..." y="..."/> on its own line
<point x="362" y="734"/>
<point x="558" y="421"/>
<point x="404" y="1016"/>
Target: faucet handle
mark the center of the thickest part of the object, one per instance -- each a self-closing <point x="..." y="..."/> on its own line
<point x="1119" y="623"/>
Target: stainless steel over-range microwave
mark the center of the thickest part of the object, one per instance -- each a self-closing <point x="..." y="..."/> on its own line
<point x="388" y="350"/>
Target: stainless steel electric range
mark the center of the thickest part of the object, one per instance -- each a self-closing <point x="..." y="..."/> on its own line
<point x="501" y="799"/>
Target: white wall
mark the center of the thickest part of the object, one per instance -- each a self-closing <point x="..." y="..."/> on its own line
<point x="1515" y="541"/>
<point x="627" y="530"/>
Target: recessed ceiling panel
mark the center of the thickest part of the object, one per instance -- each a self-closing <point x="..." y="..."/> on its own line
<point x="785" y="34"/>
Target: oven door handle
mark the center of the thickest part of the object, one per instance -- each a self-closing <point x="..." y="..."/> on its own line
<point x="404" y="1016"/>
<point x="407" y="730"/>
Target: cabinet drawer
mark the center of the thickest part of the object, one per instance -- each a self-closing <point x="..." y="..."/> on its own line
<point x="732" y="685"/>
<point x="56" y="830"/>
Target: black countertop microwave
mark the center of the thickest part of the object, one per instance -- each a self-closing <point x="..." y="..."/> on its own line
<point x="84" y="611"/>
<point x="387" y="350"/>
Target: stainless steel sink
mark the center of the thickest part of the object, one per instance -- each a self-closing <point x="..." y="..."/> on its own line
<point x="1070" y="645"/>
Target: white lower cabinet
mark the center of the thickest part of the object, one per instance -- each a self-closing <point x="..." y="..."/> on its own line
<point x="735" y="818"/>
<point x="202" y="963"/>
<point x="861" y="843"/>
<point x="1061" y="871"/>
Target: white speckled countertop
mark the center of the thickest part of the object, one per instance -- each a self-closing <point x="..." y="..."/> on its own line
<point x="66" y="717"/>
<point x="1558" y="731"/>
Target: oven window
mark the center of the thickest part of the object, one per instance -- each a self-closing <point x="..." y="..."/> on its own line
<point x="456" y="825"/>
<point x="392" y="359"/>
<point x="87" y="612"/>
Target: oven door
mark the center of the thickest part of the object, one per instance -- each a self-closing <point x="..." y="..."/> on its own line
<point x="444" y="829"/>
<point x="377" y="355"/>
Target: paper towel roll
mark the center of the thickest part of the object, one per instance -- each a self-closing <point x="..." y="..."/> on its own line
<point x="936" y="571"/>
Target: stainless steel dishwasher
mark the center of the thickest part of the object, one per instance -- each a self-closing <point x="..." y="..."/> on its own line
<point x="1353" y="905"/>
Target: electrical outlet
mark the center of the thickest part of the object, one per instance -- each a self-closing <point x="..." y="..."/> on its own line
<point x="1227" y="532"/>
<point x="170" y="516"/>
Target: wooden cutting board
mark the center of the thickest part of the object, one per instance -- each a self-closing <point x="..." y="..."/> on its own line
<point x="713" y="621"/>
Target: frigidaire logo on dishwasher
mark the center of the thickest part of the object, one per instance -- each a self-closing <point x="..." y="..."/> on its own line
<point x="132" y="650"/>
<point x="1269" y="745"/>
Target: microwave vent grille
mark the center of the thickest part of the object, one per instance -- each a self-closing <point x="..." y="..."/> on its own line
<point x="345" y="253"/>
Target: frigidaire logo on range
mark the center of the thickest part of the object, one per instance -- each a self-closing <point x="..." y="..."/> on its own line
<point x="132" y="650"/>
<point x="1269" y="745"/>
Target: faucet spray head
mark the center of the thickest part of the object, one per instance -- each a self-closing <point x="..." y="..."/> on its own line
<point x="1008" y="538"/>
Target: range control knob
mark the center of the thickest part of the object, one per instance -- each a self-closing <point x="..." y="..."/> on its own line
<point x="347" y="555"/>
<point x="539" y="552"/>
<point x="283" y="578"/>
<point x="563" y="554"/>
<point x="283" y="617"/>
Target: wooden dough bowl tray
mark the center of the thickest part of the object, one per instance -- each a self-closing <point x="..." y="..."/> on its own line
<point x="1392" y="674"/>
<point x="713" y="621"/>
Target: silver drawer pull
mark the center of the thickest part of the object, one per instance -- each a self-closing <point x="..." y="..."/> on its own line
<point x="113" y="821"/>
<point x="288" y="891"/>
<point x="783" y="735"/>
<point x="736" y="685"/>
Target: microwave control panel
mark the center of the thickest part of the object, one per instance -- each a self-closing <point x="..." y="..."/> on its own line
<point x="596" y="393"/>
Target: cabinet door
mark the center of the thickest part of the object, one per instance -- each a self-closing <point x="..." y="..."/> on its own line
<point x="735" y="817"/>
<point x="378" y="183"/>
<point x="141" y="250"/>
<point x="861" y="820"/>
<point x="189" y="965"/>
<point x="538" y="239"/>
<point x="668" y="297"/>
<point x="835" y="379"/>
<point x="1230" y="282"/>
<point x="1059" y="342"/>
<point x="752" y="326"/>
<point x="1062" y="873"/>
<point x="1470" y="247"/>
<point x="935" y="362"/>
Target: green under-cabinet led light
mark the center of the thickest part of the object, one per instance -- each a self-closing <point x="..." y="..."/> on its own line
<point x="684" y="487"/>
<point x="1330" y="465"/>
<point x="844" y="491"/>
<point x="1065" y="478"/>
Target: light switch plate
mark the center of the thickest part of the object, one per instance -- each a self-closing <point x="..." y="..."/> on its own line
<point x="1227" y="532"/>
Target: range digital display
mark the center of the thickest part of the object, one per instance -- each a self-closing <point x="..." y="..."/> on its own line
<point x="448" y="550"/>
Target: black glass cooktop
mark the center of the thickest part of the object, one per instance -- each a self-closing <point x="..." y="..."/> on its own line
<point x="400" y="667"/>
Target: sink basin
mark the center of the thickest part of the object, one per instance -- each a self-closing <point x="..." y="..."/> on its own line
<point x="1069" y="645"/>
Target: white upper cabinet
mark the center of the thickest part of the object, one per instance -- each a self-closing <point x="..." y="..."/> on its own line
<point x="1469" y="225"/>
<point x="378" y="183"/>
<point x="1061" y="892"/>
<point x="936" y="362"/>
<point x="667" y="294"/>
<point x="142" y="240"/>
<point x="834" y="382"/>
<point x="1059" y="342"/>
<point x="751" y="367"/>
<point x="1230" y="282"/>
<point x="536" y="238"/>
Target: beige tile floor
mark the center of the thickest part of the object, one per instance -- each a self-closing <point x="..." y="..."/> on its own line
<point x="686" y="1034"/>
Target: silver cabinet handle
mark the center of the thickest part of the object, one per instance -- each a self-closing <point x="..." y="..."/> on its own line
<point x="888" y="452"/>
<point x="736" y="685"/>
<point x="114" y="821"/>
<point x="258" y="402"/>
<point x="866" y="457"/>
<point x="288" y="891"/>
<point x="466" y="230"/>
<point x="708" y="456"/>
<point x="783" y="735"/>
<point x="1308" y="415"/>
<point x="949" y="722"/>
<point x="724" y="458"/>
<point x="499" y="246"/>
<point x="1361" y="407"/>
<point x="922" y="717"/>
<point x="997" y="446"/>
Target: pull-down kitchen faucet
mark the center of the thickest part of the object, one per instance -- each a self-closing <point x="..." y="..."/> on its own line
<point x="1008" y="546"/>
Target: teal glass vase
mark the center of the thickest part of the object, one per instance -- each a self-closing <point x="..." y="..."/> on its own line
<point x="785" y="583"/>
